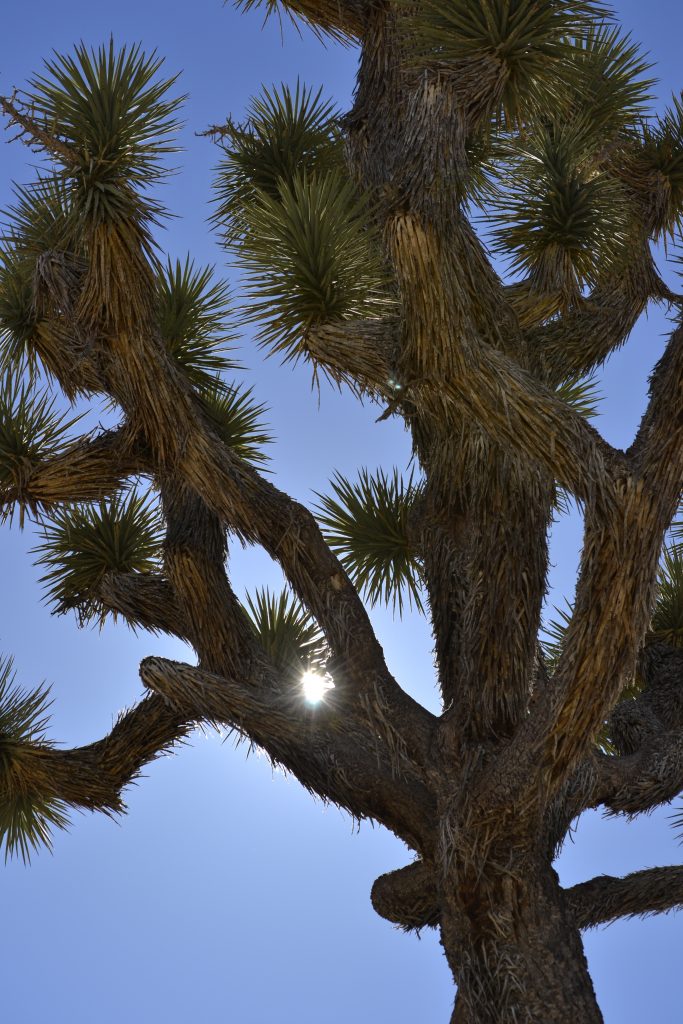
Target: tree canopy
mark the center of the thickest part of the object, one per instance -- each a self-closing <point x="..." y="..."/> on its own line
<point x="365" y="239"/>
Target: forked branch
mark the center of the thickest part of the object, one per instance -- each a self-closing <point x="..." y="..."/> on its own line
<point x="333" y="760"/>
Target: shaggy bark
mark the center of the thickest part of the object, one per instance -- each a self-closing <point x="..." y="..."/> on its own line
<point x="485" y="793"/>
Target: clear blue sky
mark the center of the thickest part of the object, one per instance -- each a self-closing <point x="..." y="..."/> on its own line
<point x="227" y="893"/>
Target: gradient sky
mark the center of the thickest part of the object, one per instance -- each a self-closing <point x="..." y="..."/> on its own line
<point x="227" y="893"/>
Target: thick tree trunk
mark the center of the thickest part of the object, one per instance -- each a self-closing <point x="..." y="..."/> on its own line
<point x="515" y="954"/>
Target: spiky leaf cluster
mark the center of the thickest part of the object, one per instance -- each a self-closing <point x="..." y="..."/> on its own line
<point x="324" y="22"/>
<point x="237" y="418"/>
<point x="677" y="531"/>
<point x="510" y="56"/>
<point x="302" y="233"/>
<point x="31" y="430"/>
<point x="81" y="544"/>
<point x="605" y="83"/>
<point x="555" y="631"/>
<point x="368" y="524"/>
<point x="112" y="115"/>
<point x="287" y="632"/>
<point x="26" y="820"/>
<point x="104" y="120"/>
<point x="562" y="220"/>
<point x="193" y="310"/>
<point x="558" y="195"/>
<point x="655" y="169"/>
<point x="310" y="258"/>
<point x="40" y="241"/>
<point x="667" y="620"/>
<point x="17" y="313"/>
<point x="284" y="134"/>
<point x="581" y="393"/>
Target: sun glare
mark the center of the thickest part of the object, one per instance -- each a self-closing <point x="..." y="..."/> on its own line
<point x="315" y="686"/>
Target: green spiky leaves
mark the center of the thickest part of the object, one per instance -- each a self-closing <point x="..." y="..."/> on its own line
<point x="310" y="259"/>
<point x="104" y="120"/>
<point x="508" y="54"/>
<point x="369" y="524"/>
<point x="31" y="430"/>
<point x="26" y="820"/>
<point x="667" y="620"/>
<point x="193" y="310"/>
<point x="287" y="632"/>
<point x="582" y="394"/>
<point x="555" y="631"/>
<point x="562" y="220"/>
<point x="302" y="234"/>
<point x="83" y="543"/>
<point x="17" y="313"/>
<point x="237" y="419"/>
<point x="605" y="82"/>
<point x="328" y="19"/>
<point x="40" y="221"/>
<point x="655" y="170"/>
<point x="110" y="113"/>
<point x="284" y="133"/>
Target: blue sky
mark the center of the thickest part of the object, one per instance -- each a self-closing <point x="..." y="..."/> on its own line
<point x="227" y="893"/>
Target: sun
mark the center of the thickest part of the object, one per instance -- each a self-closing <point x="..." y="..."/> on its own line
<point x="315" y="686"/>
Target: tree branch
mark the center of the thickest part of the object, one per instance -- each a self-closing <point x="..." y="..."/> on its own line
<point x="359" y="353"/>
<point x="218" y="629"/>
<point x="582" y="339"/>
<point x="323" y="749"/>
<point x="640" y="782"/>
<point x="657" y="451"/>
<point x="659" y="706"/>
<point x="88" y="470"/>
<point x="408" y="897"/>
<point x="145" y="600"/>
<point x="648" y="733"/>
<point x="38" y="135"/>
<point x="93" y="776"/>
<point x="517" y="411"/>
<point x="605" y="898"/>
<point x="617" y="580"/>
<point x="162" y="405"/>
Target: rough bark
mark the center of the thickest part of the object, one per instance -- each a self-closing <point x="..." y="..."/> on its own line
<point x="485" y="793"/>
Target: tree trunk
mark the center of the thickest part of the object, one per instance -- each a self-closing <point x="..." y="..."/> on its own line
<point x="515" y="954"/>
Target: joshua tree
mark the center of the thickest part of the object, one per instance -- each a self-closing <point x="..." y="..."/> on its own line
<point x="528" y="118"/>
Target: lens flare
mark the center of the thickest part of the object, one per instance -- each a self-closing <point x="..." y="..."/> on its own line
<point x="315" y="686"/>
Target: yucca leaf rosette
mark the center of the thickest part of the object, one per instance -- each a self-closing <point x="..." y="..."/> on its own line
<point x="561" y="221"/>
<point x="104" y="119"/>
<point x="287" y="632"/>
<point x="310" y="258"/>
<point x="238" y="420"/>
<point x="654" y="170"/>
<point x="193" y="312"/>
<point x="284" y="133"/>
<point x="27" y="819"/>
<point x="506" y="56"/>
<point x="82" y="543"/>
<point x="369" y="524"/>
<point x="32" y="429"/>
